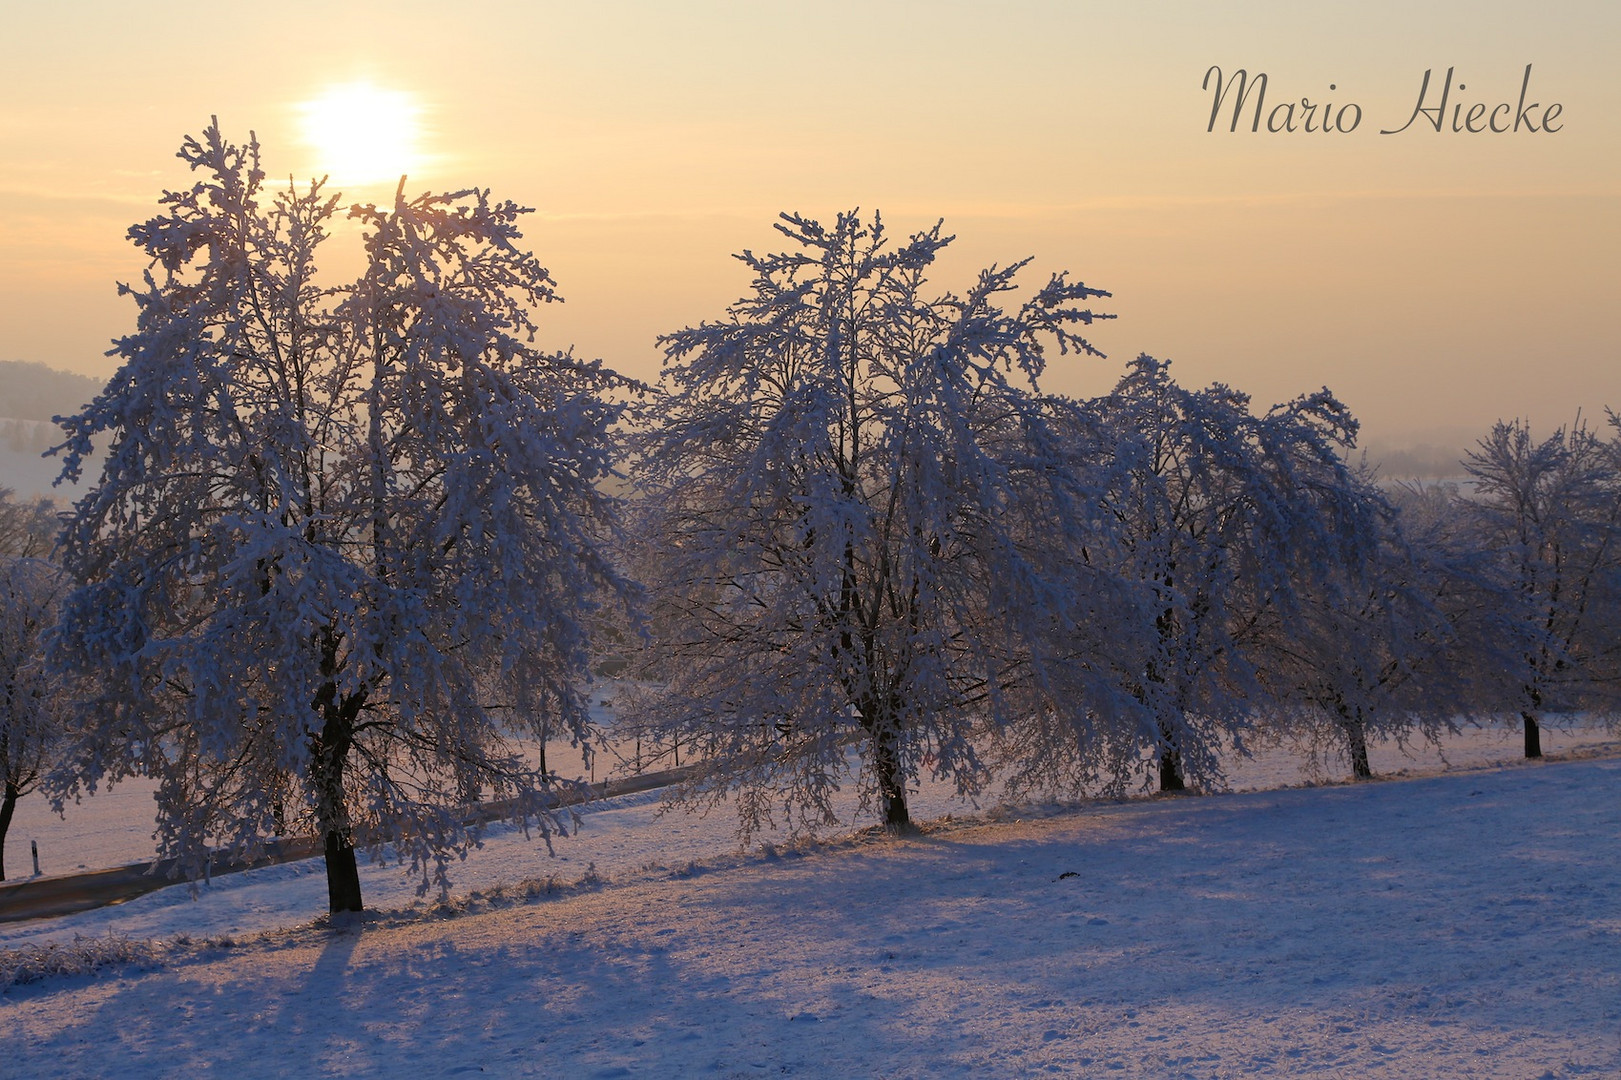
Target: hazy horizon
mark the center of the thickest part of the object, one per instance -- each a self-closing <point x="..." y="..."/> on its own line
<point x="1435" y="281"/>
<point x="32" y="393"/>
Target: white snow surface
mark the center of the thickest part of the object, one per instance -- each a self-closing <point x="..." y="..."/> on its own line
<point x="1444" y="923"/>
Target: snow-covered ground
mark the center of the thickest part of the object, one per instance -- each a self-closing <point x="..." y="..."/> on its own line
<point x="617" y="838"/>
<point x="115" y="826"/>
<point x="1466" y="923"/>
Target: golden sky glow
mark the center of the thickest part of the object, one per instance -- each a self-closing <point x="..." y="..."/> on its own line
<point x="358" y="133"/>
<point x="1436" y="281"/>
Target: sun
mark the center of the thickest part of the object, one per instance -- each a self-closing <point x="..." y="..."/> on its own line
<point x="358" y="133"/>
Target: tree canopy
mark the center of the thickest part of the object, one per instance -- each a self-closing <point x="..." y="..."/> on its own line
<point x="854" y="496"/>
<point x="347" y="538"/>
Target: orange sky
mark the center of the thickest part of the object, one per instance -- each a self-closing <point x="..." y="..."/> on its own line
<point x="1435" y="281"/>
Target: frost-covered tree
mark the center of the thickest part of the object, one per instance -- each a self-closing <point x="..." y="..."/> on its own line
<point x="1226" y="518"/>
<point x="31" y="706"/>
<point x="31" y="717"/>
<point x="853" y="495"/>
<point x="1387" y="648"/>
<point x="1604" y="618"/>
<point x="27" y="529"/>
<point x="1550" y="512"/>
<point x="345" y="541"/>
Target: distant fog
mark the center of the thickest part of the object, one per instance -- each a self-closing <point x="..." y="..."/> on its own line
<point x="30" y="394"/>
<point x="1419" y="461"/>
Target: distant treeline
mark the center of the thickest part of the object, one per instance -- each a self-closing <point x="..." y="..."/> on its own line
<point x="31" y="391"/>
<point x="1429" y="461"/>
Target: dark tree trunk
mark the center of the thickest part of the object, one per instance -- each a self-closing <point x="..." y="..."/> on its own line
<point x="342" y="874"/>
<point x="1170" y="754"/>
<point x="1170" y="762"/>
<point x="468" y="787"/>
<point x="891" y="787"/>
<point x="1533" y="736"/>
<point x="278" y="803"/>
<point x="1356" y="743"/>
<point x="897" y="818"/>
<point x="7" y="806"/>
<point x="1170" y="772"/>
<point x="331" y="807"/>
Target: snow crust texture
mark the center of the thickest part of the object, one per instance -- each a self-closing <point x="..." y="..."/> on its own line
<point x="1458" y="925"/>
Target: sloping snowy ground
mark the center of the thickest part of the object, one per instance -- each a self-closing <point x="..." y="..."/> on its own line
<point x="1464" y="924"/>
<point x="620" y="839"/>
<point x="115" y="826"/>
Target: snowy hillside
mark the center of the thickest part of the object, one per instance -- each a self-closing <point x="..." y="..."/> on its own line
<point x="1463" y="924"/>
<point x="30" y="395"/>
<point x="23" y="467"/>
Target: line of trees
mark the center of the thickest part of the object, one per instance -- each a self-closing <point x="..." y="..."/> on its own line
<point x="351" y="545"/>
<point x="32" y="721"/>
<point x="865" y="527"/>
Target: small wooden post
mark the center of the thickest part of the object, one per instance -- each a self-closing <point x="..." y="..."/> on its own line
<point x="35" y="845"/>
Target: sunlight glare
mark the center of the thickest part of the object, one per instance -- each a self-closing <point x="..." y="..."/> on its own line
<point x="361" y="134"/>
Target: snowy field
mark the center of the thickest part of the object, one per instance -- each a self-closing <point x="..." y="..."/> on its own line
<point x="1460" y="923"/>
<point x="115" y="827"/>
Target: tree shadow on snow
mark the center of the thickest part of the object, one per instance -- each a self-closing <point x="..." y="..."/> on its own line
<point x="1475" y="911"/>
